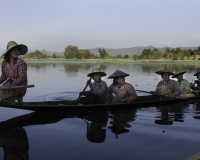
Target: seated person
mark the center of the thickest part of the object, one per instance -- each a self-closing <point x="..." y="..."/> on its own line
<point x="98" y="93"/>
<point x="196" y="85"/>
<point x="166" y="86"/>
<point x="124" y="92"/>
<point x="183" y="85"/>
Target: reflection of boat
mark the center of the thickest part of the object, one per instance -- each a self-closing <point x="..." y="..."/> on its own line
<point x="37" y="118"/>
<point x="141" y="101"/>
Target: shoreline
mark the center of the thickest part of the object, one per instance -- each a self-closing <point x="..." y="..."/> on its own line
<point x="109" y="60"/>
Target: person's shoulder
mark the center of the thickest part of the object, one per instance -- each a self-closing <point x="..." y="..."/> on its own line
<point x="3" y="62"/>
<point x="171" y="80"/>
<point x="160" y="82"/>
<point x="102" y="81"/>
<point x="186" y="81"/>
<point x="21" y="61"/>
<point x="128" y="84"/>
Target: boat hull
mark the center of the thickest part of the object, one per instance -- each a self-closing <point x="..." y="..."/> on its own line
<point x="52" y="106"/>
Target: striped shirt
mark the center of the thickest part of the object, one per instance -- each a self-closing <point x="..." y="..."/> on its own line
<point x="16" y="72"/>
<point x="100" y="89"/>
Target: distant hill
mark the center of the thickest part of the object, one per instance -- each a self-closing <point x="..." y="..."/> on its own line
<point x="132" y="51"/>
<point x="113" y="52"/>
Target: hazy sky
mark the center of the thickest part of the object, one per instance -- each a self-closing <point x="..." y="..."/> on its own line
<point x="54" y="24"/>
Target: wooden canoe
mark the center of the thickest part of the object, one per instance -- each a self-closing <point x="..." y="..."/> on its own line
<point x="142" y="101"/>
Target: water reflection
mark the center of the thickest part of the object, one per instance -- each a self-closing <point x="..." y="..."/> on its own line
<point x="15" y="144"/>
<point x="152" y="67"/>
<point x="170" y="113"/>
<point x="96" y="131"/>
<point x="197" y="111"/>
<point x="120" y="121"/>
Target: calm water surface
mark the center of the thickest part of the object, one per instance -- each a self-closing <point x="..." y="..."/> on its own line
<point x="156" y="132"/>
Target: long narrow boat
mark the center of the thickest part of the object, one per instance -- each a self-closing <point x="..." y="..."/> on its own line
<point x="142" y="101"/>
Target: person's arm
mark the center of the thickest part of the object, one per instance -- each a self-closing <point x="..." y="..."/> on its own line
<point x="187" y="89"/>
<point x="3" y="75"/>
<point x="177" y="91"/>
<point x="22" y="74"/>
<point x="132" y="94"/>
<point x="110" y="89"/>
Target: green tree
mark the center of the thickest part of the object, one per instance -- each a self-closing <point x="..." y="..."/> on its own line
<point x="178" y="50"/>
<point x="103" y="53"/>
<point x="126" y="56"/>
<point x="146" y="53"/>
<point x="54" y="56"/>
<point x="119" y="56"/>
<point x="155" y="49"/>
<point x="72" y="52"/>
<point x="85" y="53"/>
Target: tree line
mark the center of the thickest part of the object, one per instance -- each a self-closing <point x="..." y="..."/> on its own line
<point x="175" y="54"/>
<point x="73" y="52"/>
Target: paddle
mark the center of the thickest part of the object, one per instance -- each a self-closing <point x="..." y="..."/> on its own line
<point x="168" y="96"/>
<point x="17" y="87"/>
<point x="84" y="89"/>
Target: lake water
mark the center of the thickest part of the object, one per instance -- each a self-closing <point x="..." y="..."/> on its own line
<point x="155" y="132"/>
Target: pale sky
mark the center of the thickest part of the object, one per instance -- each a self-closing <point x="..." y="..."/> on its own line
<point x="54" y="24"/>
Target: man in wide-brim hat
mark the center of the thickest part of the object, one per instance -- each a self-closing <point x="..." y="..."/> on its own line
<point x="124" y="92"/>
<point x="98" y="93"/>
<point x="14" y="72"/>
<point x="171" y="84"/>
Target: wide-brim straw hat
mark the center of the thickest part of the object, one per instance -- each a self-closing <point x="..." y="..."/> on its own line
<point x="177" y="73"/>
<point x="96" y="70"/>
<point x="160" y="72"/>
<point x="198" y="71"/>
<point x="118" y="73"/>
<point x="12" y="44"/>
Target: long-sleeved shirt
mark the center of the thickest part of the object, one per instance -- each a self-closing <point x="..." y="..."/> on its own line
<point x="126" y="92"/>
<point x="16" y="72"/>
<point x="100" y="89"/>
<point x="184" y="87"/>
<point x="172" y="85"/>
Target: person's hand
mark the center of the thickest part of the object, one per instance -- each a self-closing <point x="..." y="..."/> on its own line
<point x="172" y="96"/>
<point x="88" y="82"/>
<point x="82" y="93"/>
<point x="119" y="100"/>
<point x="152" y="92"/>
<point x="9" y="86"/>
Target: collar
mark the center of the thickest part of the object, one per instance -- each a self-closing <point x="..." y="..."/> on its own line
<point x="116" y="87"/>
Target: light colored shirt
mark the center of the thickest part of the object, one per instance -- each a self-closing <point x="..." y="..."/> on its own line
<point x="184" y="87"/>
<point x="172" y="85"/>
<point x="16" y="72"/>
<point x="126" y="92"/>
<point x="100" y="89"/>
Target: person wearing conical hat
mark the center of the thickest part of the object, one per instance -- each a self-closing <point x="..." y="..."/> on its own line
<point x="167" y="85"/>
<point x="98" y="93"/>
<point x="196" y="85"/>
<point x="124" y="92"/>
<point x="14" y="72"/>
<point x="183" y="84"/>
